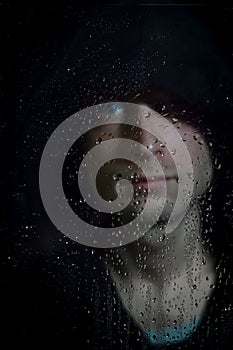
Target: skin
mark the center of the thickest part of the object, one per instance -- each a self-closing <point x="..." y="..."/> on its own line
<point x="164" y="280"/>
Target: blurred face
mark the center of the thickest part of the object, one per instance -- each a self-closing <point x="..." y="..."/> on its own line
<point x="119" y="169"/>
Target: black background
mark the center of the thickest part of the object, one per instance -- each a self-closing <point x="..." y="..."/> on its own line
<point x="55" y="56"/>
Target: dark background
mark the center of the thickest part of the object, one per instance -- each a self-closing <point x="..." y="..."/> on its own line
<point x="58" y="59"/>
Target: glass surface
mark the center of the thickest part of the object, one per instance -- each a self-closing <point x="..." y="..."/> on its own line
<point x="164" y="289"/>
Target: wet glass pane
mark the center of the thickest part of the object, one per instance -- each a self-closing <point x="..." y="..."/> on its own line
<point x="116" y="176"/>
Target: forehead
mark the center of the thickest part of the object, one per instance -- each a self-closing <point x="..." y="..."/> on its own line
<point x="122" y="129"/>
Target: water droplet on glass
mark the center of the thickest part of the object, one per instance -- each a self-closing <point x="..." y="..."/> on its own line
<point x="147" y="115"/>
<point x="117" y="176"/>
<point x="98" y="141"/>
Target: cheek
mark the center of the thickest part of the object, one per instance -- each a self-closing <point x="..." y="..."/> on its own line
<point x="202" y="164"/>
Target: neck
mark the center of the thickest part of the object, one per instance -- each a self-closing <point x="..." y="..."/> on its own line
<point x="157" y="254"/>
<point x="156" y="274"/>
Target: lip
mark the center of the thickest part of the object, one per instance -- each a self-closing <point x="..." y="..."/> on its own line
<point x="153" y="182"/>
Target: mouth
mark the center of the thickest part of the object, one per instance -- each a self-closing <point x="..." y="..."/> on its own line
<point x="145" y="183"/>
